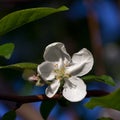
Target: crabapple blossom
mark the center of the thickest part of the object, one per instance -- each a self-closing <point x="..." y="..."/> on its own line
<point x="65" y="72"/>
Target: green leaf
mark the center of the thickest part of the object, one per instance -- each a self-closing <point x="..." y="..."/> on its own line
<point x="103" y="78"/>
<point x="105" y="118"/>
<point x="110" y="101"/>
<point x="21" y="17"/>
<point x="11" y="115"/>
<point x="27" y="73"/>
<point x="6" y="50"/>
<point x="46" y="107"/>
<point x="20" y="66"/>
<point x="63" y="102"/>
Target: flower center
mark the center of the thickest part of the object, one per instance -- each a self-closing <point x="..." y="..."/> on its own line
<point x="61" y="74"/>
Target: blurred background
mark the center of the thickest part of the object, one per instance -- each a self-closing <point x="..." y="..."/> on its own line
<point x="93" y="24"/>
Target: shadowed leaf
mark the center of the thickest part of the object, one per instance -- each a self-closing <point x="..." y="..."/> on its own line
<point x="20" y="66"/>
<point x="21" y="17"/>
<point x="103" y="78"/>
<point x="105" y="118"/>
<point x="46" y="107"/>
<point x="6" y="50"/>
<point x="11" y="115"/>
<point x="109" y="101"/>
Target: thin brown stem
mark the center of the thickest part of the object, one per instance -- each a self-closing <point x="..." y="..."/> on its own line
<point x="27" y="99"/>
<point x="36" y="98"/>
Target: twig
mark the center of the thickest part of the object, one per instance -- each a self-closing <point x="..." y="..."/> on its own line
<point x="27" y="99"/>
<point x="36" y="98"/>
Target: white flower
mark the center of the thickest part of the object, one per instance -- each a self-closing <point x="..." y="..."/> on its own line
<point x="63" y="71"/>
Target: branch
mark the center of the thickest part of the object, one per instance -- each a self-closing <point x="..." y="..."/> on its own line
<point x="36" y="98"/>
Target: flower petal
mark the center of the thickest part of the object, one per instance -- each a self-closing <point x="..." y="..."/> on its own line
<point x="82" y="63"/>
<point x="53" y="88"/>
<point x="46" y="71"/>
<point x="55" y="51"/>
<point x="74" y="89"/>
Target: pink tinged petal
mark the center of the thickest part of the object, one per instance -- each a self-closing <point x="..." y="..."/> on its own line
<point x="33" y="78"/>
<point x="46" y="71"/>
<point x="52" y="89"/>
<point x="82" y="63"/>
<point x="56" y="51"/>
<point x="74" y="89"/>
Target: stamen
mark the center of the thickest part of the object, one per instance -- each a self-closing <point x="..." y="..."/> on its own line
<point x="61" y="73"/>
<point x="56" y="65"/>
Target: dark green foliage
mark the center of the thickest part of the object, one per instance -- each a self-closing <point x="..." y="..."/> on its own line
<point x="21" y="17"/>
<point x="6" y="50"/>
<point x="110" y="101"/>
<point x="103" y="78"/>
<point x="20" y="66"/>
<point x="63" y="102"/>
<point x="105" y="118"/>
<point x="46" y="107"/>
<point x="11" y="115"/>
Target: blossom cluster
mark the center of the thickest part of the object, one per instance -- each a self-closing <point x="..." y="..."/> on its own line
<point x="63" y="72"/>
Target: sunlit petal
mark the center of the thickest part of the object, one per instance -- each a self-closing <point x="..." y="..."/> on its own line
<point x="56" y="51"/>
<point x="82" y="63"/>
<point x="74" y="89"/>
<point x="60" y="69"/>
